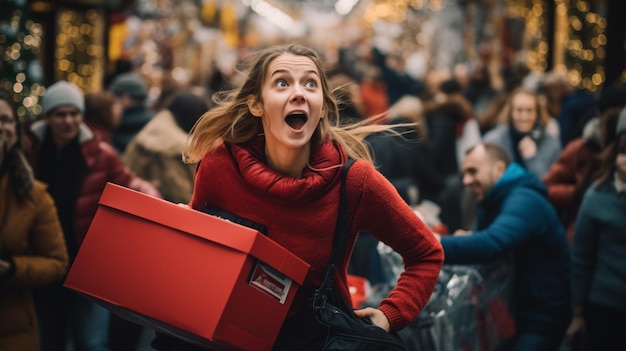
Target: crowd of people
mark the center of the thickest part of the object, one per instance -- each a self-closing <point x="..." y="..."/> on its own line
<point x="534" y="171"/>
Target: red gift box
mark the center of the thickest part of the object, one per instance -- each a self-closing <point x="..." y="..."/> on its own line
<point x="183" y="272"/>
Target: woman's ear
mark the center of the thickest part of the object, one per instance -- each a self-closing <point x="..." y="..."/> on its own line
<point x="254" y="106"/>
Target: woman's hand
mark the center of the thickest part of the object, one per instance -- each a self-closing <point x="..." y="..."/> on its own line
<point x="527" y="147"/>
<point x="377" y="317"/>
<point x="4" y="267"/>
<point x="576" y="326"/>
<point x="462" y="232"/>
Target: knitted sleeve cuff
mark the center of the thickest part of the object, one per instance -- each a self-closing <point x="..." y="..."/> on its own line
<point x="396" y="322"/>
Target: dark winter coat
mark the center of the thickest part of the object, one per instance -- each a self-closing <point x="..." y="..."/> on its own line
<point x="445" y="121"/>
<point x="103" y="165"/>
<point x="516" y="216"/>
<point x="404" y="160"/>
<point x="599" y="251"/>
<point x="133" y="120"/>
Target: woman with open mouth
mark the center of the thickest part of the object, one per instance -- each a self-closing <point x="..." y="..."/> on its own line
<point x="269" y="153"/>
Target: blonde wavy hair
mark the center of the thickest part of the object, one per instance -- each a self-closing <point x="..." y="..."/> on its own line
<point x="506" y="115"/>
<point x="231" y="121"/>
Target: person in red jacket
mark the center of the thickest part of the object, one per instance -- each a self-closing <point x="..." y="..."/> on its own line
<point x="76" y="165"/>
<point x="269" y="153"/>
<point x="568" y="177"/>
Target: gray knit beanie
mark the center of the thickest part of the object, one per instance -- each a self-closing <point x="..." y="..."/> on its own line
<point x="63" y="93"/>
<point x="621" y="123"/>
<point x="131" y="84"/>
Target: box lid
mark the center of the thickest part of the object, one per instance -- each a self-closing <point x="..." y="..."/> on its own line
<point x="207" y="227"/>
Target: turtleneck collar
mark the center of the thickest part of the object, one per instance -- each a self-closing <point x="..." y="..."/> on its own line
<point x="321" y="174"/>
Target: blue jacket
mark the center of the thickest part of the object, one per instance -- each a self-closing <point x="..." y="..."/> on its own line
<point x="516" y="216"/>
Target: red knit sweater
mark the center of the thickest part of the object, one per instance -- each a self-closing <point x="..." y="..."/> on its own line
<point x="300" y="215"/>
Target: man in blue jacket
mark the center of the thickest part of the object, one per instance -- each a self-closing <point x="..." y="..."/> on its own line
<point x="514" y="216"/>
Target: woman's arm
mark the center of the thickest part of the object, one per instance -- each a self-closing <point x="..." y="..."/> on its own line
<point x="381" y="211"/>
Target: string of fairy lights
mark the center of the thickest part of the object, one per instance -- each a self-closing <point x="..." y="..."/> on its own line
<point x="79" y="54"/>
<point x="535" y="41"/>
<point x="20" y="71"/>
<point x="584" y="51"/>
<point x="395" y="10"/>
<point x="579" y="39"/>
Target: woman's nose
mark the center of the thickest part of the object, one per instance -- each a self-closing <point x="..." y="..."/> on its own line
<point x="298" y="94"/>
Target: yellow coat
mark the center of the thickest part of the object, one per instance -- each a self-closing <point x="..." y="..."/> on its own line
<point x="31" y="234"/>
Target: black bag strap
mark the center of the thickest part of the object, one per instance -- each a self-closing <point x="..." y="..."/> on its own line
<point x="340" y="237"/>
<point x="222" y="213"/>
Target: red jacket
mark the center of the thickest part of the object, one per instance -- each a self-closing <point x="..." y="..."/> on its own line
<point x="565" y="174"/>
<point x="300" y="215"/>
<point x="104" y="165"/>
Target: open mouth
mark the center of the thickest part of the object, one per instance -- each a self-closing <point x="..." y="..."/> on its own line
<point x="296" y="120"/>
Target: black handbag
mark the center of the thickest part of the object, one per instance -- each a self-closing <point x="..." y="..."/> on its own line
<point x="346" y="331"/>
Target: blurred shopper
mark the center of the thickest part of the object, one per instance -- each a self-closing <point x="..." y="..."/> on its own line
<point x="571" y="107"/>
<point x="102" y="114"/>
<point x="32" y="248"/>
<point x="451" y="129"/>
<point x="479" y="90"/>
<point x="132" y="92"/>
<point x="373" y="92"/>
<point x="566" y="179"/>
<point x="512" y="78"/>
<point x="599" y="252"/>
<point x="155" y="154"/>
<point x="397" y="81"/>
<point x="515" y="216"/>
<point x="348" y="97"/>
<point x="76" y="165"/>
<point x="402" y="156"/>
<point x="523" y="133"/>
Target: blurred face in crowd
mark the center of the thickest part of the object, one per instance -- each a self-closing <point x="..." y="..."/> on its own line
<point x="8" y="125"/>
<point x="64" y="123"/>
<point x="481" y="172"/>
<point x="291" y="105"/>
<point x="117" y="110"/>
<point x="524" y="112"/>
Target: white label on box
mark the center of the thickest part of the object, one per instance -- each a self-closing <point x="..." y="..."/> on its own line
<point x="270" y="281"/>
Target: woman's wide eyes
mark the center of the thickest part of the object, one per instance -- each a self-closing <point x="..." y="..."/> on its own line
<point x="309" y="84"/>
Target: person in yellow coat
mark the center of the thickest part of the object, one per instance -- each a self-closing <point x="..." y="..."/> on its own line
<point x="32" y="246"/>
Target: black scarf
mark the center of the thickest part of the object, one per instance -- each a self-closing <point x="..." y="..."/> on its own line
<point x="63" y="169"/>
<point x="517" y="136"/>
